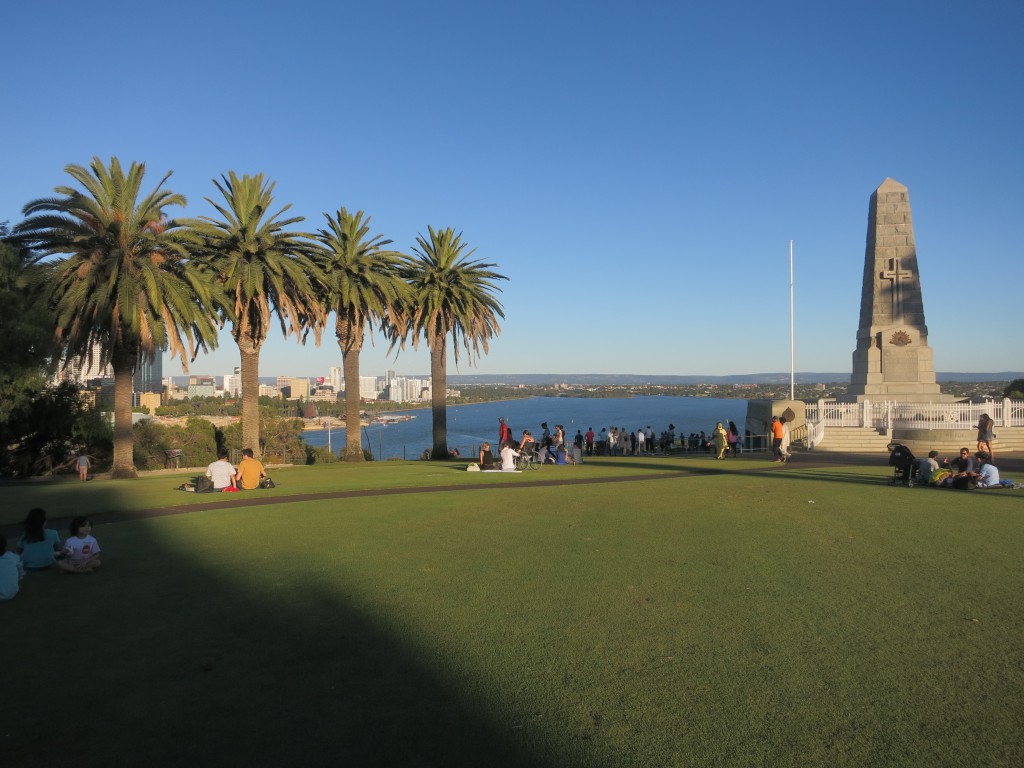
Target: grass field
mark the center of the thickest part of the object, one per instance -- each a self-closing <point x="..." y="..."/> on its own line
<point x="697" y="615"/>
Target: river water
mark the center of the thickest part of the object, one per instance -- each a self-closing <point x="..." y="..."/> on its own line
<point x="470" y="425"/>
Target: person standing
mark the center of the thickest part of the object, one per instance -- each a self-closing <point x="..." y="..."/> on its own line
<point x="578" y="440"/>
<point x="719" y="441"/>
<point x="641" y="438"/>
<point x="733" y="435"/>
<point x="785" y="439"/>
<point x="589" y="439"/>
<point x="777" y="435"/>
<point x="986" y="435"/>
<point x="504" y="432"/>
<point x="650" y="439"/>
<point x="84" y="465"/>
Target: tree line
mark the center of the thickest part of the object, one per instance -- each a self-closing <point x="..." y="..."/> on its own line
<point x="118" y="277"/>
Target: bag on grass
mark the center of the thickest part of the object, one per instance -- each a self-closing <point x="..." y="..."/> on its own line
<point x="203" y="484"/>
<point x="266" y="482"/>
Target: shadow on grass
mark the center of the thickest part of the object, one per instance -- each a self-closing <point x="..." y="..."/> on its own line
<point x="170" y="659"/>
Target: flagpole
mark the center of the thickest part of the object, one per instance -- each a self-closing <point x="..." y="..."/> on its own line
<point x="792" y="351"/>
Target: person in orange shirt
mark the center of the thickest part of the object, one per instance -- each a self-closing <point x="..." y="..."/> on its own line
<point x="777" y="434"/>
<point x="250" y="471"/>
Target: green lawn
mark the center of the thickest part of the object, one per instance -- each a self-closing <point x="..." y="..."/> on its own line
<point x="797" y="617"/>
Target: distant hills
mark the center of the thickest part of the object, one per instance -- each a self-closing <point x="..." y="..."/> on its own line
<point x="630" y="379"/>
<point x="627" y="379"/>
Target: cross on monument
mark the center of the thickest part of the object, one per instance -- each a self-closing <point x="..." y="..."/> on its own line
<point x="894" y="273"/>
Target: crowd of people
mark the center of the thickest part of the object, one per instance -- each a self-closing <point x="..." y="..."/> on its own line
<point x="554" y="447"/>
<point x="40" y="548"/>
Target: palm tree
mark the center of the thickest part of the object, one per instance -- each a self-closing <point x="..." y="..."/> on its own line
<point x="452" y="296"/>
<point x="262" y="270"/>
<point x="126" y="288"/>
<point x="362" y="284"/>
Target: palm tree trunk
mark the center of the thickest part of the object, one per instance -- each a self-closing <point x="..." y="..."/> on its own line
<point x="350" y="342"/>
<point x="250" y="354"/>
<point x="123" y="364"/>
<point x="438" y="402"/>
<point x="353" y="427"/>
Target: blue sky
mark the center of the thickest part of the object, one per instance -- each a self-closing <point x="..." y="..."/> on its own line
<point x="636" y="169"/>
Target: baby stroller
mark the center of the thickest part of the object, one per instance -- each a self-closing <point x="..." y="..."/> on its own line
<point x="903" y="464"/>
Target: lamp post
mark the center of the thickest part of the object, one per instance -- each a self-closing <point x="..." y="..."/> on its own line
<point x="792" y="347"/>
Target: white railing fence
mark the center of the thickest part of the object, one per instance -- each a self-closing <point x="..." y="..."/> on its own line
<point x="825" y="413"/>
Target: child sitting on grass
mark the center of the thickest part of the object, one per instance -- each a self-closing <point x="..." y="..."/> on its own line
<point x="39" y="546"/>
<point x="81" y="548"/>
<point x="11" y="571"/>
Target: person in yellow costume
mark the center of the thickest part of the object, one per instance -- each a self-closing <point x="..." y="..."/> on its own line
<point x="720" y="440"/>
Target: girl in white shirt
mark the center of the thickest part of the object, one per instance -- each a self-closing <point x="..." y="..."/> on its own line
<point x="81" y="548"/>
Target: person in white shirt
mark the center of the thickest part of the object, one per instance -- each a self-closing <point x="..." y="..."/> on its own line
<point x="81" y="548"/>
<point x="221" y="471"/>
<point x="508" y="457"/>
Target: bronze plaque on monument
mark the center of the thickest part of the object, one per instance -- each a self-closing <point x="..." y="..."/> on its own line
<point x="900" y="364"/>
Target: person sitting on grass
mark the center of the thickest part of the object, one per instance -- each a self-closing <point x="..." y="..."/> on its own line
<point x="927" y="465"/>
<point x="250" y="471"/>
<point x="486" y="457"/>
<point x="81" y="548"/>
<point x="558" y="455"/>
<point x="988" y="475"/>
<point x="964" y="470"/>
<point x="11" y="571"/>
<point x="221" y="472"/>
<point x="39" y="546"/>
<point x="508" y="457"/>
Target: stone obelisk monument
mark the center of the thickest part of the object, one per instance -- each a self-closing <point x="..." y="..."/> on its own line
<point x="893" y="361"/>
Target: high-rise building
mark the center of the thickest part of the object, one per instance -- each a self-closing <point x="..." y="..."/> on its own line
<point x="149" y="374"/>
<point x="85" y="368"/>
<point x="233" y="383"/>
<point x="337" y="378"/>
<point x="293" y="387"/>
<point x="202" y="386"/>
<point x="368" y="388"/>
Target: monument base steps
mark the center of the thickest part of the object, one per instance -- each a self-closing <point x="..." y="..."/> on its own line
<point x="1009" y="440"/>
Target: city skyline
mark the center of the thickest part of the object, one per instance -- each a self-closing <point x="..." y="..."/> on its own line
<point x="638" y="176"/>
